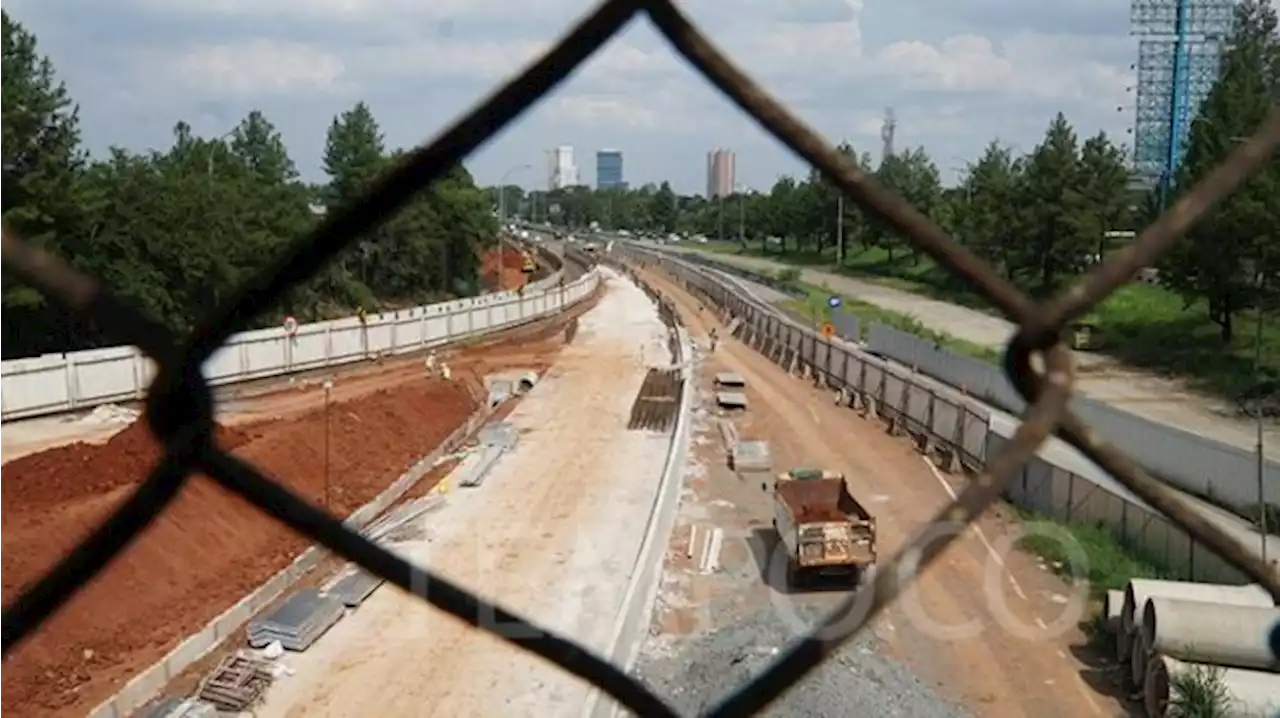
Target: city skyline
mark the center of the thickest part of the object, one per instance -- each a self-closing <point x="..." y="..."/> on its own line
<point x="959" y="75"/>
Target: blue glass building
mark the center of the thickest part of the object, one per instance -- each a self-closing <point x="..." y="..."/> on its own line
<point x="609" y="170"/>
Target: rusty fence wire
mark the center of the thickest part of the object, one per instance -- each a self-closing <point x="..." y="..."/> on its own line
<point x="179" y="407"/>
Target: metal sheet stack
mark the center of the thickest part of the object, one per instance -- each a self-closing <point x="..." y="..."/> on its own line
<point x="353" y="588"/>
<point x="1171" y="634"/>
<point x="298" y="622"/>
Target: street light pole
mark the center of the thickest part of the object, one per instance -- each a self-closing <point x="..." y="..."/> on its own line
<point x="502" y="214"/>
<point x="742" y="216"/>
<point x="328" y="389"/>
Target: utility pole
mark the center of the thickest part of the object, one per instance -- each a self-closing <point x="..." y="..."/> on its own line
<point x="840" y="229"/>
<point x="1257" y="409"/>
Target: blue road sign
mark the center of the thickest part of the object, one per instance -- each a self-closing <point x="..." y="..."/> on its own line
<point x="833" y="301"/>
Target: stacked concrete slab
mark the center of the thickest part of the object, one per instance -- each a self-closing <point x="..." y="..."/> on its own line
<point x="495" y="440"/>
<point x="182" y="708"/>
<point x="353" y="588"/>
<point x="298" y="622"/>
<point x="752" y="456"/>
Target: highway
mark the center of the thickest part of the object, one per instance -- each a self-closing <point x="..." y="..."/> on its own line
<point x="1158" y="399"/>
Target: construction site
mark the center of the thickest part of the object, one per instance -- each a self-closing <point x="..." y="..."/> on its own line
<point x="621" y="473"/>
<point x="337" y="439"/>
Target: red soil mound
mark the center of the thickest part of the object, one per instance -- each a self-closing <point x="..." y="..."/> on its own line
<point x="206" y="551"/>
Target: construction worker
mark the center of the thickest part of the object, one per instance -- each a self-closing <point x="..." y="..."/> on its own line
<point x="715" y="338"/>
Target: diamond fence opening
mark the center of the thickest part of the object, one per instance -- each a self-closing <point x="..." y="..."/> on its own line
<point x="179" y="406"/>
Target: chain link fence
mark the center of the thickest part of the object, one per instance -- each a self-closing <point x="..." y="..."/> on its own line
<point x="179" y="407"/>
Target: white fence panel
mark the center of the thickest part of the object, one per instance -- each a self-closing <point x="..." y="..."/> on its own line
<point x="60" y="382"/>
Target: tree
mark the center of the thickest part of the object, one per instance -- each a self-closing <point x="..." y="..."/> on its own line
<point x="663" y="208"/>
<point x="175" y="231"/>
<point x="1229" y="259"/>
<point x="43" y="166"/>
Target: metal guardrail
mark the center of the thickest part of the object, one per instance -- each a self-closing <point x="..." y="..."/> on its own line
<point x="180" y="406"/>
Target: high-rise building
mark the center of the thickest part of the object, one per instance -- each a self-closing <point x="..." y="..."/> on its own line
<point x="563" y="172"/>
<point x="609" y="170"/>
<point x="720" y="168"/>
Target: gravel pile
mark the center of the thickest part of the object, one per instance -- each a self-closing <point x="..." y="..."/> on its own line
<point x="856" y="681"/>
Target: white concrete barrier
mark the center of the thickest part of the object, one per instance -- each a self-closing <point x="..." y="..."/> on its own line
<point x="632" y="622"/>
<point x="56" y="383"/>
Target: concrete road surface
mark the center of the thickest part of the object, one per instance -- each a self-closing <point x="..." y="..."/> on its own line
<point x="552" y="534"/>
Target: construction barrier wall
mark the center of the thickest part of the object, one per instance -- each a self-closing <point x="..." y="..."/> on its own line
<point x="1224" y="474"/>
<point x="56" y="383"/>
<point x="960" y="431"/>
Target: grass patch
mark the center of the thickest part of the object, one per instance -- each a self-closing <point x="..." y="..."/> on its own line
<point x="1110" y="564"/>
<point x="1199" y="693"/>
<point x="814" y="308"/>
<point x="1142" y="325"/>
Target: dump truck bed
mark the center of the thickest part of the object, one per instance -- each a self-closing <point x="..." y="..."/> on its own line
<point x="820" y="500"/>
<point x="824" y="528"/>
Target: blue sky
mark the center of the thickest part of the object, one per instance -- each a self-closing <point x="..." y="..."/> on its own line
<point x="958" y="74"/>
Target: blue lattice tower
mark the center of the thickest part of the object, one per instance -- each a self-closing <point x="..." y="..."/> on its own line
<point x="1178" y="61"/>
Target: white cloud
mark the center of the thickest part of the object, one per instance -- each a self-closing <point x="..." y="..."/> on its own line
<point x="257" y="67"/>
<point x="958" y="74"/>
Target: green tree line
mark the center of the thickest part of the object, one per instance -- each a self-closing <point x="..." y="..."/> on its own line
<point x="173" y="231"/>
<point x="1040" y="217"/>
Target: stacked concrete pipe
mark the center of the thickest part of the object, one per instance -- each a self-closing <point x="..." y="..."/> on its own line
<point x="1167" y="629"/>
<point x="1249" y="694"/>
<point x="1139" y="590"/>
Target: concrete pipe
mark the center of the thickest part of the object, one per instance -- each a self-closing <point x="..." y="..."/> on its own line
<point x="1139" y="590"/>
<point x="526" y="381"/>
<point x="1248" y="693"/>
<point x="1112" y="607"/>
<point x="1235" y="636"/>
<point x="1124" y="646"/>
<point x="1139" y="658"/>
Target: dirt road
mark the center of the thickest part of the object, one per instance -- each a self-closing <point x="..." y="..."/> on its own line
<point x="211" y="548"/>
<point x="553" y="533"/>
<point x="987" y="668"/>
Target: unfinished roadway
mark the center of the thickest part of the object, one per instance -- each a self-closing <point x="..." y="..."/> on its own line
<point x="553" y="534"/>
<point x="984" y="632"/>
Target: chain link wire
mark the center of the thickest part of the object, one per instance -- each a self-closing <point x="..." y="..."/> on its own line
<point x="179" y="406"/>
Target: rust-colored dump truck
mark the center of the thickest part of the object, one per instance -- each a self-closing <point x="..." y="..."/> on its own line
<point x="825" y="530"/>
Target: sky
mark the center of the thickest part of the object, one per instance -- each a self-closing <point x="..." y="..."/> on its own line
<point x="958" y="74"/>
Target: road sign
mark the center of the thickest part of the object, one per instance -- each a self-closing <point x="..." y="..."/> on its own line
<point x="833" y="301"/>
<point x="828" y="330"/>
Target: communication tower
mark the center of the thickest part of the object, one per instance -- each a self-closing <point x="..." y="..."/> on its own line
<point x="1179" y="59"/>
<point x="886" y="133"/>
